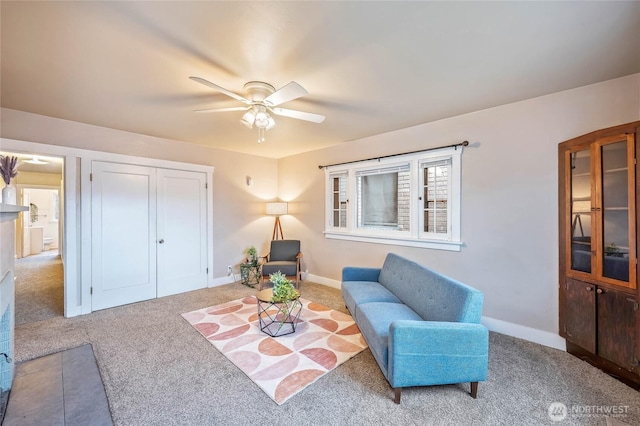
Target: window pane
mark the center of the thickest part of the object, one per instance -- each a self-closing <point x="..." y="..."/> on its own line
<point x="615" y="212"/>
<point x="379" y="200"/>
<point x="340" y="201"/>
<point x="581" y="214"/>
<point x="383" y="200"/>
<point x="436" y="198"/>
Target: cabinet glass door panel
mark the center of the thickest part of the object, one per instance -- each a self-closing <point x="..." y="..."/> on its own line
<point x="581" y="211"/>
<point x="615" y="211"/>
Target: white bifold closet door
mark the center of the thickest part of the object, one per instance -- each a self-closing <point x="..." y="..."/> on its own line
<point x="123" y="234"/>
<point x="148" y="233"/>
<point x="182" y="224"/>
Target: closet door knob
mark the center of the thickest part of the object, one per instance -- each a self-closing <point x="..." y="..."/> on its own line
<point x="161" y="241"/>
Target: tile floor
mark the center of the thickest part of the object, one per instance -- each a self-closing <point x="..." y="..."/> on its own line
<point x="64" y="388"/>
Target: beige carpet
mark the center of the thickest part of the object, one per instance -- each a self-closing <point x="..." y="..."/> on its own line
<point x="158" y="371"/>
<point x="284" y="365"/>
<point x="39" y="287"/>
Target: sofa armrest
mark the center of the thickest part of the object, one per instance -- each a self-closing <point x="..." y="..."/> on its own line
<point x="354" y="273"/>
<point x="431" y="352"/>
<point x="438" y="337"/>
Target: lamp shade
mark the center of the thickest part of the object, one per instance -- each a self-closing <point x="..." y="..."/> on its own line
<point x="277" y="208"/>
<point x="582" y="206"/>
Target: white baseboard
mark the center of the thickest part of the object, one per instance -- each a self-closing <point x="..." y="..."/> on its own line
<point x="221" y="281"/>
<point x="322" y="280"/>
<point x="545" y="338"/>
<point x="523" y="332"/>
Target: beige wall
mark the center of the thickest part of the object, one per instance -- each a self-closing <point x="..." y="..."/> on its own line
<point x="238" y="210"/>
<point x="509" y="196"/>
<point x="509" y="192"/>
<point x="37" y="178"/>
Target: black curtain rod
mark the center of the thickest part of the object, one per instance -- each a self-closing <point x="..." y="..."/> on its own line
<point x="455" y="145"/>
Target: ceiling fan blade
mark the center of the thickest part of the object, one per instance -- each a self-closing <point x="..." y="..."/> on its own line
<point x="300" y="115"/>
<point x="222" y="109"/>
<point x="287" y="93"/>
<point x="220" y="89"/>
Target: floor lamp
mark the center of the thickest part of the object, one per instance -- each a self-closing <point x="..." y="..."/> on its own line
<point x="277" y="209"/>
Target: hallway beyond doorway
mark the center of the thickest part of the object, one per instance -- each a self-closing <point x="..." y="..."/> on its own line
<point x="39" y="287"/>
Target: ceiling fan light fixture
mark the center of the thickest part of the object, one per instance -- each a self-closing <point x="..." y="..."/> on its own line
<point x="249" y="118"/>
<point x="262" y="117"/>
<point x="272" y="122"/>
<point x="263" y="98"/>
<point x="36" y="160"/>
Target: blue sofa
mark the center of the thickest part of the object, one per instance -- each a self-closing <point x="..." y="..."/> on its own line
<point x="422" y="328"/>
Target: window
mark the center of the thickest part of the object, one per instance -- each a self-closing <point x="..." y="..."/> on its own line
<point x="435" y="207"/>
<point x="383" y="198"/>
<point x="338" y="183"/>
<point x="55" y="206"/>
<point x="411" y="200"/>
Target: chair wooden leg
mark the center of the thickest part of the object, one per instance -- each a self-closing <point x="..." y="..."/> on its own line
<point x="398" y="392"/>
<point x="474" y="389"/>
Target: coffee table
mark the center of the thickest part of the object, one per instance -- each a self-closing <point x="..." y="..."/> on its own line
<point x="277" y="318"/>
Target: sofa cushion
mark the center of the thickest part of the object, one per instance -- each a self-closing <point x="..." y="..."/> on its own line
<point x="374" y="319"/>
<point x="357" y="292"/>
<point x="433" y="296"/>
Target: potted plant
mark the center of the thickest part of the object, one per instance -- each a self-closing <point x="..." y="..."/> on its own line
<point x="8" y="170"/>
<point x="283" y="289"/>
<point x="613" y="251"/>
<point x="252" y="256"/>
<point x="250" y="271"/>
<point x="287" y="299"/>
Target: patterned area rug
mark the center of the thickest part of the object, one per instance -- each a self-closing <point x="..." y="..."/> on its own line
<point x="284" y="365"/>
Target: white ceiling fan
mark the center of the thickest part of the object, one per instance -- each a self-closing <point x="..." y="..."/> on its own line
<point x="263" y="98"/>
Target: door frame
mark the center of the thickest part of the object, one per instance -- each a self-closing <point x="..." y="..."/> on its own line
<point x="77" y="212"/>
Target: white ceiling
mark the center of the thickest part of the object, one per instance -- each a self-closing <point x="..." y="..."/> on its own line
<point x="370" y="67"/>
<point x="53" y="164"/>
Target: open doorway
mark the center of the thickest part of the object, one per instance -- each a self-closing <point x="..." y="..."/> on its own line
<point x="39" y="293"/>
<point x="41" y="227"/>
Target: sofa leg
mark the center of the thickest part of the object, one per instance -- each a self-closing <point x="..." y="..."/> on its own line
<point x="398" y="395"/>
<point x="474" y="389"/>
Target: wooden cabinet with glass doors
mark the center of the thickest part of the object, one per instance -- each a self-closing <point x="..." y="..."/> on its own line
<point x="599" y="315"/>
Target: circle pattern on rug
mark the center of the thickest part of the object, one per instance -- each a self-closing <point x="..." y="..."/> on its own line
<point x="281" y="366"/>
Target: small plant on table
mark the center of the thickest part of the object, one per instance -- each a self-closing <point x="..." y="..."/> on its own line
<point x="283" y="289"/>
<point x="284" y="293"/>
